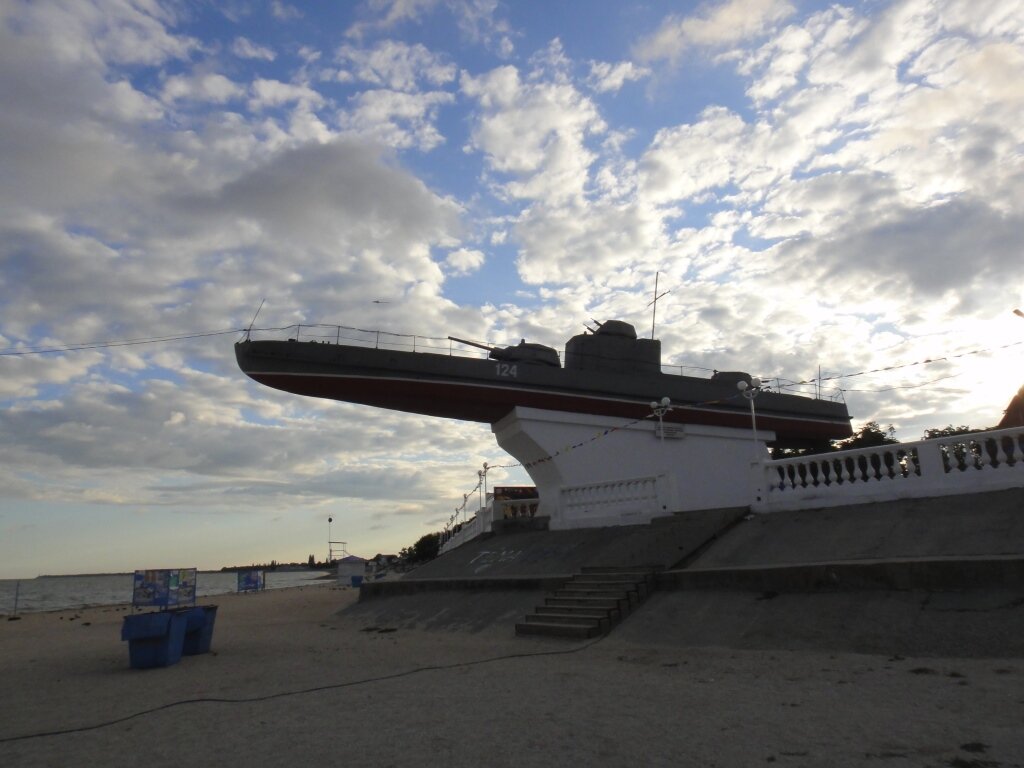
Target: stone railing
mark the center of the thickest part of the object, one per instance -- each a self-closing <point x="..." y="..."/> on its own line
<point x="979" y="461"/>
<point x="468" y="530"/>
<point x="617" y="502"/>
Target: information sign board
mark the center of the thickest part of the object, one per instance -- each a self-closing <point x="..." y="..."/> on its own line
<point x="165" y="587"/>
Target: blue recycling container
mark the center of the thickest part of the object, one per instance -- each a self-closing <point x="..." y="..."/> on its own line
<point x="198" y="629"/>
<point x="357" y="581"/>
<point x="154" y="639"/>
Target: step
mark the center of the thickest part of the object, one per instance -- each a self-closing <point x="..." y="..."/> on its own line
<point x="602" y="575"/>
<point x="556" y="629"/>
<point x="617" y="571"/>
<point x="609" y="594"/>
<point x="608" y="580"/>
<point x="592" y="602"/>
<point x="601" y="622"/>
<point x="612" y="614"/>
<point x="640" y="588"/>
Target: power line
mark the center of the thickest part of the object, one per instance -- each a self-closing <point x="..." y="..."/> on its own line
<point x="123" y="343"/>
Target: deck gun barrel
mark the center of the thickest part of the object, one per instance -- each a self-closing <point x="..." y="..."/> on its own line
<point x="472" y="343"/>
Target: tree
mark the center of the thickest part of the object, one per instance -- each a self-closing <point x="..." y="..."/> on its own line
<point x="424" y="550"/>
<point x="947" y="431"/>
<point x="312" y="562"/>
<point x="869" y="436"/>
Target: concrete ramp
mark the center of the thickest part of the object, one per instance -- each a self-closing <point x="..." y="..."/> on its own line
<point x="951" y="527"/>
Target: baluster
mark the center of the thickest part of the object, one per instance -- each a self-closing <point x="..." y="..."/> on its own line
<point x="801" y="470"/>
<point x="813" y="468"/>
<point x="960" y="454"/>
<point x="876" y="465"/>
<point x="889" y="461"/>
<point x="1011" y="449"/>
<point x="998" y="453"/>
<point x="848" y="466"/>
<point x="976" y="452"/>
<point x="946" y="462"/>
<point x="782" y="478"/>
<point x="826" y="473"/>
<point x="862" y="467"/>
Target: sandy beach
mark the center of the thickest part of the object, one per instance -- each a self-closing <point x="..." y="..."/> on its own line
<point x="295" y="678"/>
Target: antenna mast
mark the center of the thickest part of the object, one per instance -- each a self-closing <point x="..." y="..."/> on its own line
<point x="654" y="302"/>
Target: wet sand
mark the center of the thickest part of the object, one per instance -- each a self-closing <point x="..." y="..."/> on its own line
<point x="292" y="679"/>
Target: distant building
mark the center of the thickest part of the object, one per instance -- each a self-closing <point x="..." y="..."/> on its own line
<point x="350" y="566"/>
<point x="379" y="564"/>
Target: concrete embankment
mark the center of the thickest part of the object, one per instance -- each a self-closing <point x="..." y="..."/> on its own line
<point x="915" y="576"/>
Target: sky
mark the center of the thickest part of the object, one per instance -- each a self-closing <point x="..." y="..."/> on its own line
<point x="833" y="187"/>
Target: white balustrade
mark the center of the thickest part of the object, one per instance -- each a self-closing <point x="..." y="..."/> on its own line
<point x="970" y="463"/>
<point x="617" y="502"/>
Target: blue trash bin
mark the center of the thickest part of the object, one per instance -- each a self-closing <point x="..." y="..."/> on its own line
<point x="154" y="639"/>
<point x="199" y="629"/>
<point x="357" y="581"/>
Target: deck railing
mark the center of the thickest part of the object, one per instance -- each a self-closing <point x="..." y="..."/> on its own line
<point x="979" y="461"/>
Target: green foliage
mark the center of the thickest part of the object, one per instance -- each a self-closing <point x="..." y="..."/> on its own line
<point x="424" y="550"/>
<point x="870" y="435"/>
<point x="947" y="431"/>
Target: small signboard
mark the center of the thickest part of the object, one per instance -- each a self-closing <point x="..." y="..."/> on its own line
<point x="164" y="588"/>
<point x="251" y="581"/>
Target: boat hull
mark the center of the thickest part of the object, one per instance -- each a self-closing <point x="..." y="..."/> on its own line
<point x="483" y="390"/>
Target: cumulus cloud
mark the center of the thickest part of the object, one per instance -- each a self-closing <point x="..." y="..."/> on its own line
<point x="535" y="132"/>
<point x="606" y="77"/>
<point x="396" y="119"/>
<point x="714" y="26"/>
<point x="244" y="48"/>
<point x="273" y="93"/>
<point x="213" y="88"/>
<point x="394" y="65"/>
<point x="464" y="261"/>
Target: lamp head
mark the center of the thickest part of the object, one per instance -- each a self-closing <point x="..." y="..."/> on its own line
<point x="755" y="382"/>
<point x="665" y="402"/>
<point x="742" y="385"/>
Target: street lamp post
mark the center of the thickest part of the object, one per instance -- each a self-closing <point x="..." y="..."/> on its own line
<point x="750" y="391"/>
<point x="330" y="539"/>
<point x="660" y="408"/>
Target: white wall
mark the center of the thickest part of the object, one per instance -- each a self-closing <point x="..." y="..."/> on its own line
<point x="595" y="471"/>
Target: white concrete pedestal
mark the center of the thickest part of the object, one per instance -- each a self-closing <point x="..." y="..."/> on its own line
<point x="592" y="471"/>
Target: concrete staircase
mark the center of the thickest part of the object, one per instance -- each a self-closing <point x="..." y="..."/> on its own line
<point x="590" y="603"/>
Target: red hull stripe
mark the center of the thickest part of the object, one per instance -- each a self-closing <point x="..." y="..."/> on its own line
<point x="489" y="403"/>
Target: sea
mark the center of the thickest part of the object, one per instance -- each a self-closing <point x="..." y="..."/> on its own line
<point x="58" y="593"/>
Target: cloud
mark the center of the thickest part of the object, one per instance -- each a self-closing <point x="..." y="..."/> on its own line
<point x="464" y="261"/>
<point x="684" y="161"/>
<point x="606" y="78"/>
<point x="534" y="132"/>
<point x="244" y="48"/>
<point x="396" y="119"/>
<point x="394" y="65"/>
<point x="273" y="93"/>
<point x="211" y="88"/>
<point x="284" y="11"/>
<point x="386" y="14"/>
<point x="719" y="25"/>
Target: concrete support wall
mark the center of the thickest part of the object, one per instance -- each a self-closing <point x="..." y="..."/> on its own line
<point x="592" y="471"/>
